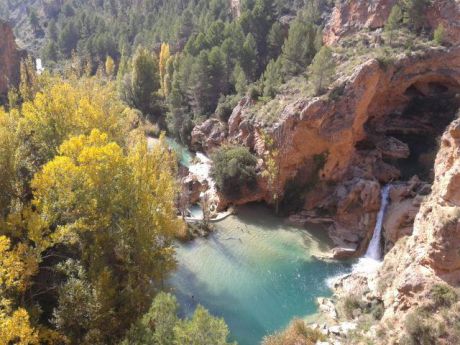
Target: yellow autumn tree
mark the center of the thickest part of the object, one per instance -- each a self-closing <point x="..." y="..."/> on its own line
<point x="15" y="327"/>
<point x="8" y="146"/>
<point x="118" y="208"/>
<point x="109" y="66"/>
<point x="164" y="57"/>
<point x="17" y="265"/>
<point x="66" y="108"/>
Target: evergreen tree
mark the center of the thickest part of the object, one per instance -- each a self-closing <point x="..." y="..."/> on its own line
<point x="34" y="21"/>
<point x="50" y="52"/>
<point x="68" y="38"/>
<point x="438" y="34"/>
<point x="275" y="40"/>
<point x="145" y="81"/>
<point x="52" y="31"/>
<point x="249" y="57"/>
<point x="414" y="12"/>
<point x="272" y="78"/>
<point x="299" y="48"/>
<point x="322" y="69"/>
<point x="200" y="89"/>
<point x="240" y="80"/>
<point x="393" y="22"/>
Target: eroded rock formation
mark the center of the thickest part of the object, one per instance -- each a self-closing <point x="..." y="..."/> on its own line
<point x="349" y="17"/>
<point x="429" y="256"/>
<point x="382" y="118"/>
<point x="10" y="58"/>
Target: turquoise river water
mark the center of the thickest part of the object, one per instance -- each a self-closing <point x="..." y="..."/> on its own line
<point x="254" y="271"/>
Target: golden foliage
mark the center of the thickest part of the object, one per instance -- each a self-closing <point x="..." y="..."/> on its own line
<point x="15" y="327"/>
<point x="164" y="57"/>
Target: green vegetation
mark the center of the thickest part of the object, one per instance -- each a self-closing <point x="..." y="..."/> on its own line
<point x="296" y="333"/>
<point x="393" y="22"/>
<point x="443" y="295"/>
<point x="161" y="325"/>
<point x="233" y="169"/>
<point x="414" y="12"/>
<point x="87" y="215"/>
<point x="421" y="328"/>
<point x="322" y="69"/>
<point x="438" y="35"/>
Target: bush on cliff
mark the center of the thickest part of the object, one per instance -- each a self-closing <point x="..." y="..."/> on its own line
<point x="234" y="168"/>
<point x="296" y="333"/>
<point x="443" y="295"/>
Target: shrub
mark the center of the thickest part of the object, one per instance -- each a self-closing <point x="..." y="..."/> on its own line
<point x="421" y="329"/>
<point x="348" y="305"/>
<point x="233" y="169"/>
<point x="225" y="107"/>
<point x="296" y="333"/>
<point x="254" y="93"/>
<point x="443" y="295"/>
<point x="337" y="92"/>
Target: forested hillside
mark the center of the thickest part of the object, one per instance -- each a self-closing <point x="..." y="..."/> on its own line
<point x="208" y="51"/>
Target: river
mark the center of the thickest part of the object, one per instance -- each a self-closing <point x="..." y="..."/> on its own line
<point x="256" y="272"/>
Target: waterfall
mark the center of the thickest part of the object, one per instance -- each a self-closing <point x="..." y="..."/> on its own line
<point x="371" y="261"/>
<point x="374" y="251"/>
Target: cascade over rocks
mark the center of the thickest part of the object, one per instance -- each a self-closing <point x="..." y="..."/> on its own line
<point x="431" y="254"/>
<point x="10" y="58"/>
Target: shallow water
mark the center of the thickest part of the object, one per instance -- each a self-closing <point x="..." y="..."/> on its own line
<point x="184" y="155"/>
<point x="255" y="272"/>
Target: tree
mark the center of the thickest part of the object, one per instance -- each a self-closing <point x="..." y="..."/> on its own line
<point x="233" y="169"/>
<point x="68" y="38"/>
<point x="322" y="69"/>
<point x="118" y="208"/>
<point x="414" y="12"/>
<point x="164" y="57"/>
<point x="393" y="22"/>
<point x="249" y="57"/>
<point x="145" y="81"/>
<point x="50" y="51"/>
<point x="109" y="66"/>
<point x="272" y="160"/>
<point x="438" y="35"/>
<point x="161" y="325"/>
<point x="240" y="80"/>
<point x="272" y="78"/>
<point x="8" y="148"/>
<point x="202" y="329"/>
<point x="275" y="40"/>
<point x="299" y="48"/>
<point x="34" y="21"/>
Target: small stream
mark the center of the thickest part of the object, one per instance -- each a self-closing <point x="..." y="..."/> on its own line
<point x="256" y="272"/>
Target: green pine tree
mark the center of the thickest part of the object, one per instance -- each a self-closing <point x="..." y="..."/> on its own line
<point x="393" y="22"/>
<point x="322" y="69"/>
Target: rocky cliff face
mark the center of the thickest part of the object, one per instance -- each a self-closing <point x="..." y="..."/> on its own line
<point x="361" y="137"/>
<point x="429" y="257"/>
<point x="377" y="124"/>
<point x="352" y="16"/>
<point x="10" y="58"/>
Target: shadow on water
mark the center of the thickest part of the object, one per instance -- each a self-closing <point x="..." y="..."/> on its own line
<point x="255" y="272"/>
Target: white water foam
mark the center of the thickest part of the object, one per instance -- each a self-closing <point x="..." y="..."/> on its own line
<point x="372" y="260"/>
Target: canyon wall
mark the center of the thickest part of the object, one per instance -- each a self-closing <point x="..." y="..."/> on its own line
<point x="352" y="16"/>
<point x="351" y="135"/>
<point x="10" y="58"/>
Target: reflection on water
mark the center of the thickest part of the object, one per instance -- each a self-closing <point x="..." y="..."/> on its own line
<point x="255" y="271"/>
